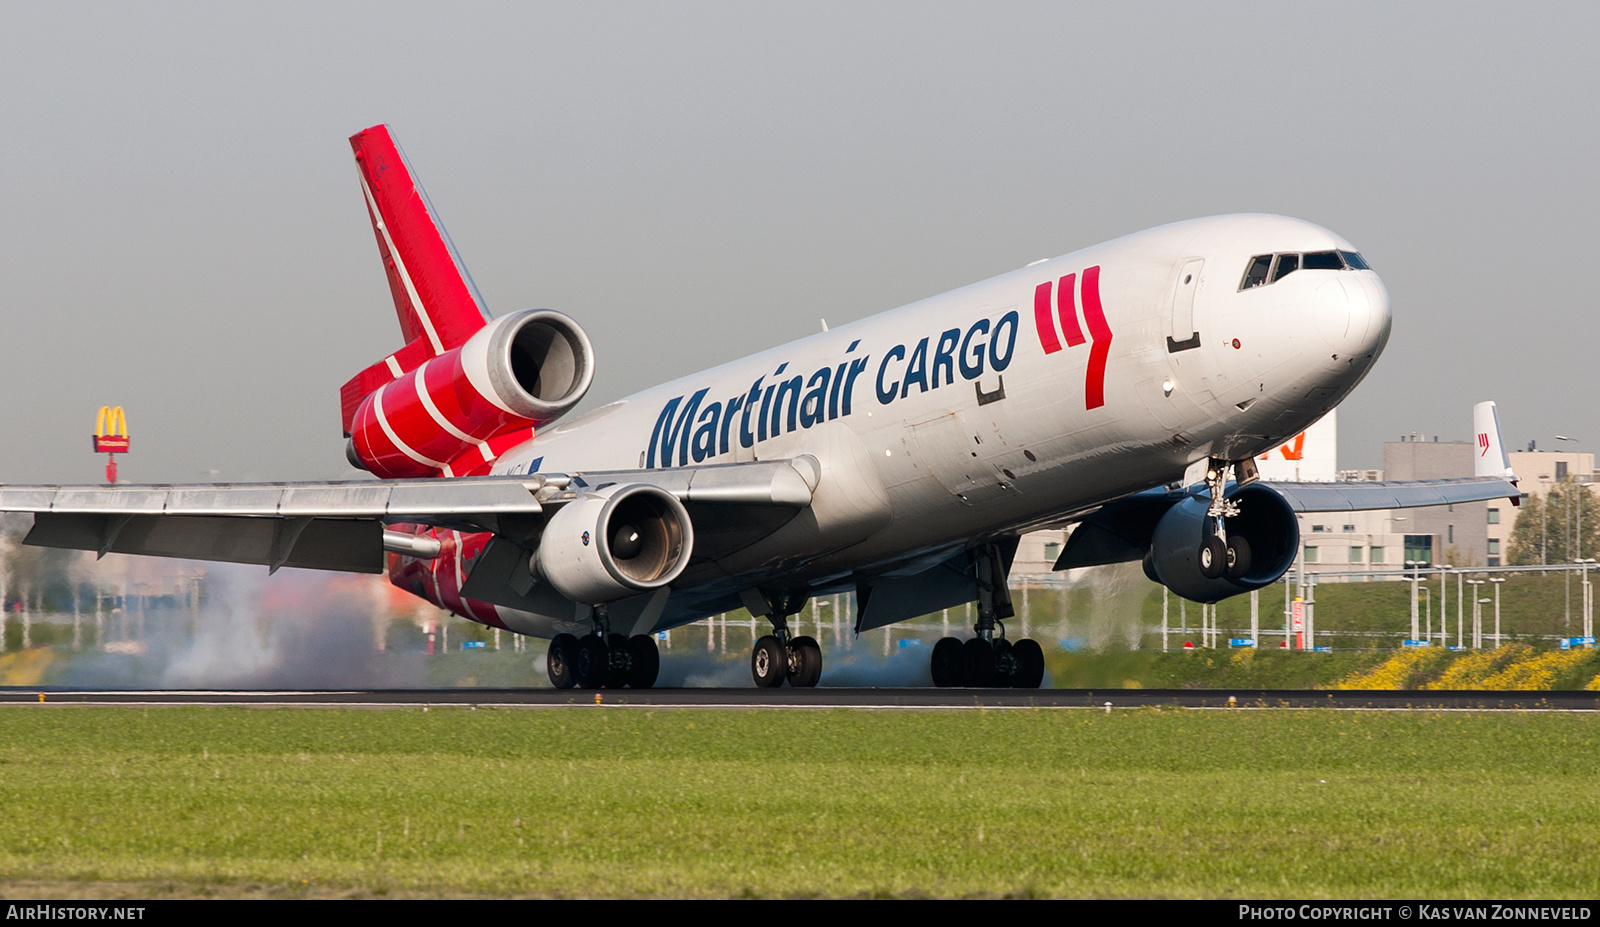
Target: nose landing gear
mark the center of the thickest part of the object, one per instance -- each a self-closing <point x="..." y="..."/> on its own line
<point x="1221" y="555"/>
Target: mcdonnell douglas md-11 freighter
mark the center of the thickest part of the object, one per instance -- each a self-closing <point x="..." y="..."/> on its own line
<point x="1126" y="388"/>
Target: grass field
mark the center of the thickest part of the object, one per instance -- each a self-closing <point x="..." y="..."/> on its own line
<point x="636" y="803"/>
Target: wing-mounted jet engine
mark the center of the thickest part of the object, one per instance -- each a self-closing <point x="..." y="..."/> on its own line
<point x="615" y="542"/>
<point x="1188" y="555"/>
<point x="1199" y="549"/>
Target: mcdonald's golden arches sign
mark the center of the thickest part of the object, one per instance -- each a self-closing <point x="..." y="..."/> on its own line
<point x="111" y="431"/>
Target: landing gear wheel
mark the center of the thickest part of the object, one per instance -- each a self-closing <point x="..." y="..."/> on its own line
<point x="1238" y="556"/>
<point x="644" y="661"/>
<point x="769" y="663"/>
<point x="1005" y="664"/>
<point x="977" y="663"/>
<point x="558" y="661"/>
<point x="1213" y="558"/>
<point x="592" y="664"/>
<point x="805" y="666"/>
<point x="946" y="663"/>
<point x="616" y="661"/>
<point x="1030" y="664"/>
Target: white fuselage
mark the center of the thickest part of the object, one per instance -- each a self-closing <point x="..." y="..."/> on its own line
<point x="1019" y="401"/>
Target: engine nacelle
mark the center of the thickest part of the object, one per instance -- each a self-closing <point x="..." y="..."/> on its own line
<point x="614" y="543"/>
<point x="1265" y="520"/>
<point x="518" y="372"/>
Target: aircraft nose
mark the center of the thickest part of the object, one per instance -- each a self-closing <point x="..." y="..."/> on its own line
<point x="1353" y="314"/>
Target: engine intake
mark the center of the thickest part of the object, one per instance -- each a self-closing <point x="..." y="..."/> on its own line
<point x="615" y="542"/>
<point x="1265" y="520"/>
<point x="538" y="363"/>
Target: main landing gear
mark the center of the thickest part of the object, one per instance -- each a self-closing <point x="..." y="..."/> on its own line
<point x="987" y="661"/>
<point x="601" y="659"/>
<point x="778" y="657"/>
<point x="1219" y="554"/>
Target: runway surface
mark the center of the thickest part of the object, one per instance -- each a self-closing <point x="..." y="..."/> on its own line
<point x="821" y="698"/>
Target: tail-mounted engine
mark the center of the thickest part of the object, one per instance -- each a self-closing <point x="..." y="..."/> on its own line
<point x="615" y="542"/>
<point x="1265" y="524"/>
<point x="516" y="373"/>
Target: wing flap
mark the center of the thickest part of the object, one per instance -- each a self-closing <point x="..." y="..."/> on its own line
<point x="350" y="545"/>
<point x="394" y="501"/>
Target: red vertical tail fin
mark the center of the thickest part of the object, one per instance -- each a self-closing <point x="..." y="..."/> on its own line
<point x="438" y="305"/>
<point x="435" y="298"/>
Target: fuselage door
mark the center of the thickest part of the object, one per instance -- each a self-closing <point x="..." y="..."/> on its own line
<point x="1183" y="335"/>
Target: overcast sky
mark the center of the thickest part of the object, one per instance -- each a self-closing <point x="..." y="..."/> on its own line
<point x="182" y="233"/>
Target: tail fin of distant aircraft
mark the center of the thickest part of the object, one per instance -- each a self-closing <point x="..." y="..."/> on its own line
<point x="438" y="305"/>
<point x="1489" y="459"/>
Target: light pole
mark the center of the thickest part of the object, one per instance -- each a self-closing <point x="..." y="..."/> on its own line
<point x="1444" y="604"/>
<point x="1477" y="623"/>
<point x="1497" y="583"/>
<point x="1416" y="574"/>
<point x="1571" y="551"/>
<point x="1588" y="597"/>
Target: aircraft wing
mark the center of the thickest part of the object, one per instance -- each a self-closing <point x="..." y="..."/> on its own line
<point x="1492" y="479"/>
<point x="1356" y="496"/>
<point x="341" y="525"/>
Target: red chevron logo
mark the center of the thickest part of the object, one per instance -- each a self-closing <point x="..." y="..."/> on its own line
<point x="1064" y="295"/>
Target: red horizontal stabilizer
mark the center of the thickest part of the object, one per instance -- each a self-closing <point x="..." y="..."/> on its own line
<point x="436" y="300"/>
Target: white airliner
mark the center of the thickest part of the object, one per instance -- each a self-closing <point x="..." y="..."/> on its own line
<point x="1125" y="388"/>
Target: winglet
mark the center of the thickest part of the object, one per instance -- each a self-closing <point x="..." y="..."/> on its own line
<point x="1490" y="459"/>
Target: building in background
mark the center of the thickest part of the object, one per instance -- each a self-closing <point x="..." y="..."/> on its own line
<point x="1454" y="534"/>
<point x="1537" y="472"/>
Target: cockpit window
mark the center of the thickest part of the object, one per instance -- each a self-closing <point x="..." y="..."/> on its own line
<point x="1270" y="268"/>
<point x="1256" y="273"/>
<point x="1287" y="264"/>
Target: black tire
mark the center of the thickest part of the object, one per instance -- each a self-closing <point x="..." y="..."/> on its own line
<point x="807" y="667"/>
<point x="644" y="661"/>
<point x="592" y="664"/>
<point x="1238" y="556"/>
<point x="558" y="660"/>
<point x="1030" y="664"/>
<point x="769" y="663"/>
<point x="617" y="661"/>
<point x="1213" y="558"/>
<point x="977" y="663"/>
<point x="1005" y="664"/>
<point x="946" y="663"/>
